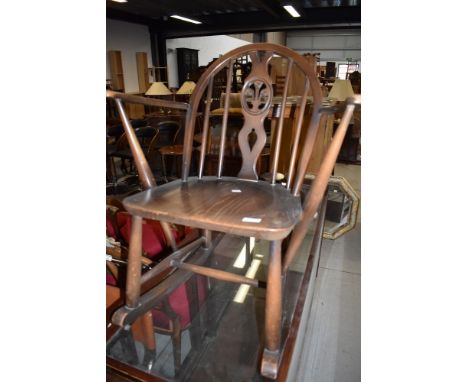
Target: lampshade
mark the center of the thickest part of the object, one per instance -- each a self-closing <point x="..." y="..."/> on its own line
<point x="341" y="90"/>
<point x="186" y="88"/>
<point x="158" y="88"/>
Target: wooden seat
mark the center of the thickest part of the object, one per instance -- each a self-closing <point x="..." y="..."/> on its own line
<point x="244" y="205"/>
<point x="228" y="205"/>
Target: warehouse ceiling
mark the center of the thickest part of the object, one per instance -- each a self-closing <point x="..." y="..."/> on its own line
<point x="235" y="16"/>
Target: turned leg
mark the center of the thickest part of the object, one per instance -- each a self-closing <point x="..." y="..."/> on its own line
<point x="164" y="169"/>
<point x="208" y="237"/>
<point x="132" y="290"/>
<point x="148" y="340"/>
<point x="273" y="313"/>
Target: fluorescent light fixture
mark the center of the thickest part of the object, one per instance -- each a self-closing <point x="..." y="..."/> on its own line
<point x="186" y="19"/>
<point x="120" y="1"/>
<point x="291" y="10"/>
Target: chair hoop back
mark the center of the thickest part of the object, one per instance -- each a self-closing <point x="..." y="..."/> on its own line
<point x="257" y="101"/>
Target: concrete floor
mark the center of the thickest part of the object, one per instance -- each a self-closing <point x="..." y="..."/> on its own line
<point x="332" y="346"/>
<point x="331" y="328"/>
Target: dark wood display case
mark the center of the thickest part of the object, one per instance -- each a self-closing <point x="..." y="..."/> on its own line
<point x="187" y="63"/>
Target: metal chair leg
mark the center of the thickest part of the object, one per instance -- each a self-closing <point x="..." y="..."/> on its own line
<point x="273" y="313"/>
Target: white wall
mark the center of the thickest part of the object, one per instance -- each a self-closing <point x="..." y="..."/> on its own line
<point x="209" y="47"/>
<point x="128" y="38"/>
<point x="333" y="45"/>
<point x="243" y="36"/>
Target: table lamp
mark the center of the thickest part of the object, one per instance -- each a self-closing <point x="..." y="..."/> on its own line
<point x="158" y="89"/>
<point x="186" y="88"/>
<point x="341" y="90"/>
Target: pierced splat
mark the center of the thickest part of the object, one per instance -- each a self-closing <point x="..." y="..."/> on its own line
<point x="260" y="62"/>
<point x="257" y="97"/>
<point x="252" y="138"/>
<point x="256" y="100"/>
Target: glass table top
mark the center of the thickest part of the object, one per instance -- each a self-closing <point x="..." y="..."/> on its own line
<point x="221" y="323"/>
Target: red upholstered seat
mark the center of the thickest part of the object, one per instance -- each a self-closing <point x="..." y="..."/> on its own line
<point x="179" y="303"/>
<point x="154" y="241"/>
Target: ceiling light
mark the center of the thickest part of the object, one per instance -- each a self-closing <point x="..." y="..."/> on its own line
<point x="291" y="10"/>
<point x="186" y="19"/>
<point x="120" y="1"/>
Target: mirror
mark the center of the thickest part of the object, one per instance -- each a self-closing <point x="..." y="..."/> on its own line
<point x="342" y="207"/>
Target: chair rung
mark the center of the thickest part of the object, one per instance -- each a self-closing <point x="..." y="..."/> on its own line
<point x="166" y="263"/>
<point x="215" y="273"/>
<point x="126" y="316"/>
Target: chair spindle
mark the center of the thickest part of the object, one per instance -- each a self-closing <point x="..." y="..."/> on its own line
<point x="297" y="135"/>
<point x="279" y="130"/>
<point x="206" y="120"/>
<point x="225" y="118"/>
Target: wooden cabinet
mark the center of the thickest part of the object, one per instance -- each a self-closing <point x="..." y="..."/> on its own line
<point x="322" y="140"/>
<point x="187" y="63"/>
<point x="116" y="68"/>
<point x="142" y="70"/>
<point x="278" y="71"/>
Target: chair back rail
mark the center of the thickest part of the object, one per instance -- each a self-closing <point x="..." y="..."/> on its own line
<point x="256" y="101"/>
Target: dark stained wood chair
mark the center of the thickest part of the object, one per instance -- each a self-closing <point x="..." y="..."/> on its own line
<point x="148" y="138"/>
<point x="172" y="315"/>
<point x="242" y="205"/>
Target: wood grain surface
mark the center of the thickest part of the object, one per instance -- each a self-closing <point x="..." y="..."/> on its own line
<point x="230" y="205"/>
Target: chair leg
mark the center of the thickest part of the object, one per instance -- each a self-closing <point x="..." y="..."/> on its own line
<point x="123" y="166"/>
<point x="149" y="340"/>
<point x="164" y="170"/>
<point x="133" y="286"/>
<point x="273" y="313"/>
<point x="208" y="237"/>
<point x="208" y="243"/>
<point x="129" y="348"/>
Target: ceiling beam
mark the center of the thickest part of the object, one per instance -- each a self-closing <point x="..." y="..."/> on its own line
<point x="262" y="4"/>
<point x="116" y="14"/>
<point x="248" y="22"/>
<point x="323" y="18"/>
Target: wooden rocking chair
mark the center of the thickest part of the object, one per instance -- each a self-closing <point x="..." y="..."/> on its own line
<point x="242" y="205"/>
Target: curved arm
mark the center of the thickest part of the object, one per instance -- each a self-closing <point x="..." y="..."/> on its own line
<point x="316" y="192"/>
